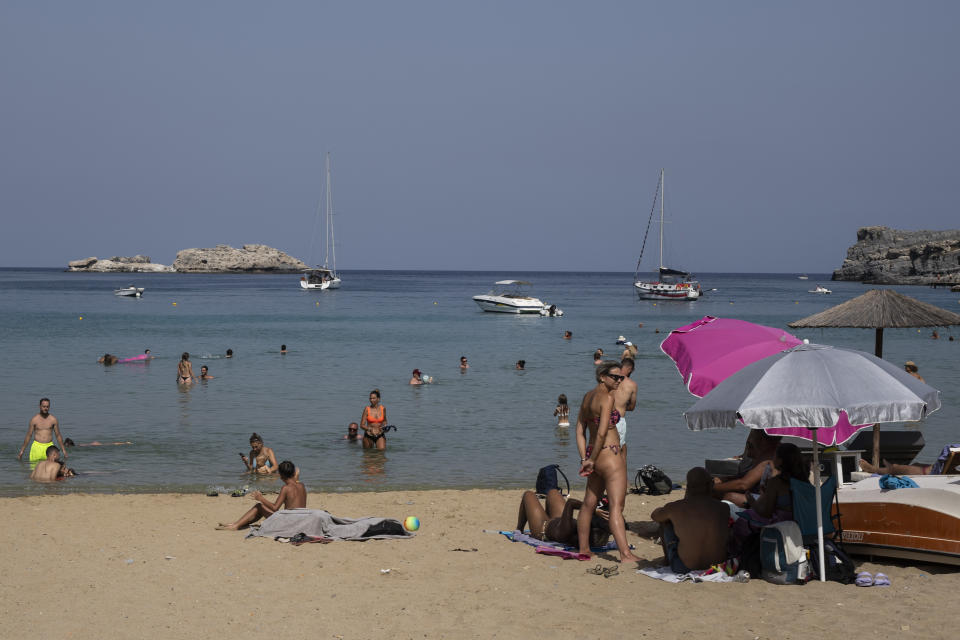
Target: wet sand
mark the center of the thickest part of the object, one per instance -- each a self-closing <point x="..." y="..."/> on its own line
<point x="148" y="566"/>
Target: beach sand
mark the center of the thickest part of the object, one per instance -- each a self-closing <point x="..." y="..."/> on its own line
<point x="152" y="566"/>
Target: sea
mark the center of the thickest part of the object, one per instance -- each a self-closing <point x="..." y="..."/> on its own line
<point x="491" y="426"/>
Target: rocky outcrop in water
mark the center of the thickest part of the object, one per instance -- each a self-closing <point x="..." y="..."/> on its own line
<point x="251" y="258"/>
<point x="890" y="256"/>
<point x="123" y="264"/>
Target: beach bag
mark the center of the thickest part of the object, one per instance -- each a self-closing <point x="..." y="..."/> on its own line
<point x="547" y="479"/>
<point x="783" y="560"/>
<point x="655" y="481"/>
<point x="837" y="565"/>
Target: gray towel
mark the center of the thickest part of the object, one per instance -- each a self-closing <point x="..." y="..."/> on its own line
<point x="287" y="523"/>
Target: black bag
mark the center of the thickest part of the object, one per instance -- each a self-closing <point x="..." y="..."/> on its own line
<point x="547" y="479"/>
<point x="655" y="481"/>
<point x="837" y="564"/>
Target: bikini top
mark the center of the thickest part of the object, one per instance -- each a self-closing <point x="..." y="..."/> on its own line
<point x="379" y="417"/>
<point x="614" y="418"/>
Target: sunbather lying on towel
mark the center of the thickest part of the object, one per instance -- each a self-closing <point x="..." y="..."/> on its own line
<point x="694" y="530"/>
<point x="936" y="468"/>
<point x="293" y="495"/>
<point x="557" y="522"/>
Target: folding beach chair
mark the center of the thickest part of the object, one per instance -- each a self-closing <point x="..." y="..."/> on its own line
<point x="805" y="509"/>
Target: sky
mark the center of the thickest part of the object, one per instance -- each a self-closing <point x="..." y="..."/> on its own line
<point x="496" y="135"/>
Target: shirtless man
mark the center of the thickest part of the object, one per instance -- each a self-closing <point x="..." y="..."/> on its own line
<point x="49" y="469"/>
<point x="694" y="530"/>
<point x="758" y="454"/>
<point x="293" y="495"/>
<point x="43" y="426"/>
<point x="205" y="373"/>
<point x="625" y="399"/>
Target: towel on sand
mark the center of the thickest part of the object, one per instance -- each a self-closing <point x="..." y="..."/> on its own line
<point x="519" y="536"/>
<point x="666" y="574"/>
<point x="317" y="522"/>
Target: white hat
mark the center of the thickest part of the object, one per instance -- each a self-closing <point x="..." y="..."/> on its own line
<point x="628" y="343"/>
<point x="621" y="340"/>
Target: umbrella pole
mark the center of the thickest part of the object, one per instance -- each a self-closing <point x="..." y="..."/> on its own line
<point x="877" y="351"/>
<point x="819" y="500"/>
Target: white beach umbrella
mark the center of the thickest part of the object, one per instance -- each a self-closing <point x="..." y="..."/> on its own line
<point x="810" y="386"/>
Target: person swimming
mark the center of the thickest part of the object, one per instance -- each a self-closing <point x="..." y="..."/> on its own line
<point x="262" y="459"/>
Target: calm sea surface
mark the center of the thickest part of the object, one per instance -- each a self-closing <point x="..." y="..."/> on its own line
<point x="489" y="427"/>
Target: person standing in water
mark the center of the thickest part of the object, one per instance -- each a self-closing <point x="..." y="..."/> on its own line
<point x="372" y="421"/>
<point x="185" y="370"/>
<point x="42" y="428"/>
<point x="562" y="412"/>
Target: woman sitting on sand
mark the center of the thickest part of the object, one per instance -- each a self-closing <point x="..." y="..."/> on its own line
<point x="262" y="459"/>
<point x="775" y="503"/>
<point x="556" y="522"/>
<point x="372" y="421"/>
<point x="602" y="464"/>
<point x="185" y="370"/>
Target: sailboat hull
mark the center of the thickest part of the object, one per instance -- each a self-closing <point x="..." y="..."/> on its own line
<point x="684" y="291"/>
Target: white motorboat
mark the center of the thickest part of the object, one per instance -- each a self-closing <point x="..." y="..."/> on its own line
<point x="671" y="284"/>
<point x="130" y="292"/>
<point x="513" y="296"/>
<point x="803" y="277"/>
<point x="820" y="289"/>
<point x="325" y="277"/>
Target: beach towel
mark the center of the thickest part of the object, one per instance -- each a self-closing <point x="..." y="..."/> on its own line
<point x="287" y="523"/>
<point x="666" y="574"/>
<point x="896" y="482"/>
<point x="519" y="536"/>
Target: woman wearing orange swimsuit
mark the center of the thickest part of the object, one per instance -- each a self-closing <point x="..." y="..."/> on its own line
<point x="602" y="464"/>
<point x="373" y="420"/>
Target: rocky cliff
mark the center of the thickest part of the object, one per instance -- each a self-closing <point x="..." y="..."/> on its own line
<point x="251" y="258"/>
<point x="890" y="256"/>
<point x="118" y="264"/>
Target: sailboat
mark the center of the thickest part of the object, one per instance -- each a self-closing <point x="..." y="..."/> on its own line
<point x="325" y="277"/>
<point x="672" y="284"/>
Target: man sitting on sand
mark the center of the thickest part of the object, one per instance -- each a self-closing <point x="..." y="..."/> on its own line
<point x="293" y="495"/>
<point x="49" y="469"/>
<point x="756" y="466"/>
<point x="694" y="530"/>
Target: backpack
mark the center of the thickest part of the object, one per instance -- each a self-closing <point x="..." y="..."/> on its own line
<point x="783" y="560"/>
<point x="837" y="565"/>
<point x="547" y="479"/>
<point x="655" y="481"/>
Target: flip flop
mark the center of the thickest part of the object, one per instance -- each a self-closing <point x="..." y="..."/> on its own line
<point x="866" y="579"/>
<point x="611" y="571"/>
<point x="881" y="580"/>
<point x="596" y="571"/>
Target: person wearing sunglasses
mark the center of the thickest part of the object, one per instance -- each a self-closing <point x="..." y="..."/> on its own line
<point x="601" y="462"/>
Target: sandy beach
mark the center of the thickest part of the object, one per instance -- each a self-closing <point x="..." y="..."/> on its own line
<point x="139" y="566"/>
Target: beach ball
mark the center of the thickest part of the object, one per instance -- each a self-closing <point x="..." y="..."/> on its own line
<point x="174" y="303"/>
<point x="412" y="523"/>
<point x="81" y="317"/>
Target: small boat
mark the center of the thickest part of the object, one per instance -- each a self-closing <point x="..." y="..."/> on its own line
<point x="325" y="277"/>
<point x="921" y="523"/>
<point x="820" y="289"/>
<point x="803" y="277"/>
<point x="671" y="284"/>
<point x="513" y="296"/>
<point x="131" y="291"/>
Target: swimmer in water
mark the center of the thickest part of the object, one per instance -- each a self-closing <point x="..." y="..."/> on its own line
<point x="353" y="432"/>
<point x="185" y="370"/>
<point x="70" y="443"/>
<point x="204" y="373"/>
<point x="262" y="459"/>
<point x="108" y="359"/>
<point x="372" y="421"/>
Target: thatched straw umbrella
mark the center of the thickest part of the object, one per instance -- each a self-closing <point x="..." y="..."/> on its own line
<point x="879" y="309"/>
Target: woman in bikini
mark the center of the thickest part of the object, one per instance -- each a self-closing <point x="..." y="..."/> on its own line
<point x="262" y="459"/>
<point x="373" y="420"/>
<point x="601" y="463"/>
<point x="185" y="370"/>
<point x="562" y="411"/>
<point x="556" y="522"/>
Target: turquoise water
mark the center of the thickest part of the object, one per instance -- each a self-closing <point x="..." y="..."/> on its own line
<point x="490" y="427"/>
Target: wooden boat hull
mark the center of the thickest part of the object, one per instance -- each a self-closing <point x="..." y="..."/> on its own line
<point x="917" y="523"/>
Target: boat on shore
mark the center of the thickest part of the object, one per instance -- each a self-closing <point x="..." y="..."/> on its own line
<point x="921" y="523"/>
<point x="325" y="277"/>
<point x="129" y="292"/>
<point x="513" y="296"/>
<point x="671" y="284"/>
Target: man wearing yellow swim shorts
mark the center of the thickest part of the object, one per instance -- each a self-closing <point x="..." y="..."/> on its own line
<point x="42" y="428"/>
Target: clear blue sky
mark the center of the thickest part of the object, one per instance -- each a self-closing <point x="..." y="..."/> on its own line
<point x="476" y="135"/>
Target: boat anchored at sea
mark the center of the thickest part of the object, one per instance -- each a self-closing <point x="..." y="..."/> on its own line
<point x="672" y="284"/>
<point x="325" y="277"/>
<point x="820" y="289"/>
<point x="129" y="292"/>
<point x="513" y="296"/>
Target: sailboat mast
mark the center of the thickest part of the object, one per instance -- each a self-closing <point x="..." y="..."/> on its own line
<point x="331" y="239"/>
<point x="662" y="193"/>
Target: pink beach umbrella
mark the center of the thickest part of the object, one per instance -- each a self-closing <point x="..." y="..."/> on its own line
<point x="710" y="350"/>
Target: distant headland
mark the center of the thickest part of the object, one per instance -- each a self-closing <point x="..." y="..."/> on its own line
<point x="891" y="256"/>
<point x="251" y="258"/>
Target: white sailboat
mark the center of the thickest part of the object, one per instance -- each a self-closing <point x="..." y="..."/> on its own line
<point x="325" y="277"/>
<point x="672" y="284"/>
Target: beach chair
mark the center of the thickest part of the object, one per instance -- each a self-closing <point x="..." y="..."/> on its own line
<point x="805" y="509"/>
<point x="952" y="465"/>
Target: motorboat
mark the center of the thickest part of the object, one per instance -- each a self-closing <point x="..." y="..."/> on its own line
<point x="325" y="277"/>
<point x="129" y="292"/>
<point x="921" y="523"/>
<point x="803" y="277"/>
<point x="671" y="284"/>
<point x="319" y="278"/>
<point x="513" y="296"/>
<point x="820" y="289"/>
